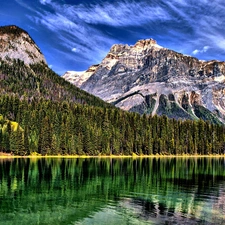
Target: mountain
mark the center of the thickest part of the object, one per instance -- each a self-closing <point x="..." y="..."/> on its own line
<point x="147" y="78"/>
<point x="24" y="72"/>
<point x="78" y="78"/>
<point x="16" y="43"/>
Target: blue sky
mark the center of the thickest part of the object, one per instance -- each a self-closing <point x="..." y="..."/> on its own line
<point x="75" y="34"/>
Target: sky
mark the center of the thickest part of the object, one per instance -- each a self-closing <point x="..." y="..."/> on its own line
<point x="75" y="34"/>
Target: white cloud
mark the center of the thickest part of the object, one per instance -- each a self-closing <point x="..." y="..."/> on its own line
<point x="54" y="22"/>
<point x="87" y="40"/>
<point x="217" y="40"/>
<point x="181" y="2"/>
<point x="44" y="2"/>
<point x="74" y="50"/>
<point x="197" y="51"/>
<point x="123" y="13"/>
<point x="205" y="48"/>
<point x="25" y="5"/>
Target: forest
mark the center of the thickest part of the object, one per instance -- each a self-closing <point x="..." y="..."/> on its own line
<point x="53" y="128"/>
<point x="43" y="114"/>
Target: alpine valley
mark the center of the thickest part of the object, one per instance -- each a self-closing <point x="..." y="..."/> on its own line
<point x="43" y="114"/>
<point x="147" y="78"/>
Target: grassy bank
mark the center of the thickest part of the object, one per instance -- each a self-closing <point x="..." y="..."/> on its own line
<point x="2" y="156"/>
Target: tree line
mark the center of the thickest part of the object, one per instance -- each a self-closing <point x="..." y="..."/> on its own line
<point x="37" y="81"/>
<point x="66" y="128"/>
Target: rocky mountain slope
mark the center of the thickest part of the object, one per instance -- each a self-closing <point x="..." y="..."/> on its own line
<point x="78" y="78"/>
<point x="16" y="43"/>
<point x="25" y="74"/>
<point x="148" y="78"/>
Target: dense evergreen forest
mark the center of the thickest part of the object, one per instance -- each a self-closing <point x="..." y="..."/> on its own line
<point x="36" y="82"/>
<point x="42" y="113"/>
<point x="52" y="128"/>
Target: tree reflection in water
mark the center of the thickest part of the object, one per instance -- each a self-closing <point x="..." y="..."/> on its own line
<point x="72" y="191"/>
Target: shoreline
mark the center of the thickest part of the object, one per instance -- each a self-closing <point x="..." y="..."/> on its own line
<point x="109" y="156"/>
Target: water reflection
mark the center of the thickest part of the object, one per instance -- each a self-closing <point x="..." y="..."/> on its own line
<point x="125" y="191"/>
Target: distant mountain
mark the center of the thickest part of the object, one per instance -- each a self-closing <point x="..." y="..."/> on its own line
<point x="78" y="78"/>
<point x="16" y="43"/>
<point x="147" y="78"/>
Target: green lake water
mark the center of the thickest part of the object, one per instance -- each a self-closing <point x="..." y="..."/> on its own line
<point x="112" y="191"/>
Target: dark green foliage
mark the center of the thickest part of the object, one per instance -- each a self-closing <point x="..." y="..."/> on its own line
<point x="150" y="103"/>
<point x="141" y="109"/>
<point x="205" y="114"/>
<point x="171" y="109"/>
<point x="185" y="103"/>
<point x="67" y="128"/>
<point x="16" y="141"/>
<point x="36" y="82"/>
<point x="145" y="107"/>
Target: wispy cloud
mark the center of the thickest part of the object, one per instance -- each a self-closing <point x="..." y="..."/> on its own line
<point x="122" y="13"/>
<point x="197" y="51"/>
<point x="56" y="22"/>
<point x="199" y="24"/>
<point x="25" y="5"/>
<point x="74" y="33"/>
<point x="44" y="2"/>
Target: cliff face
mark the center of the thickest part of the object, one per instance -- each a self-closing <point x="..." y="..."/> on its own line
<point x="78" y="78"/>
<point x="16" y="43"/>
<point x="148" y="78"/>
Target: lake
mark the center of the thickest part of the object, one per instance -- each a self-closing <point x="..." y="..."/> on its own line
<point x="112" y="191"/>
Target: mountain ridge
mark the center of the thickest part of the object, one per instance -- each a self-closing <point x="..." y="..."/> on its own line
<point x="147" y="78"/>
<point x="16" y="43"/>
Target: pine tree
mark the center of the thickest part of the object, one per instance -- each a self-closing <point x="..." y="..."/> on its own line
<point x="17" y="142"/>
<point x="45" y="137"/>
